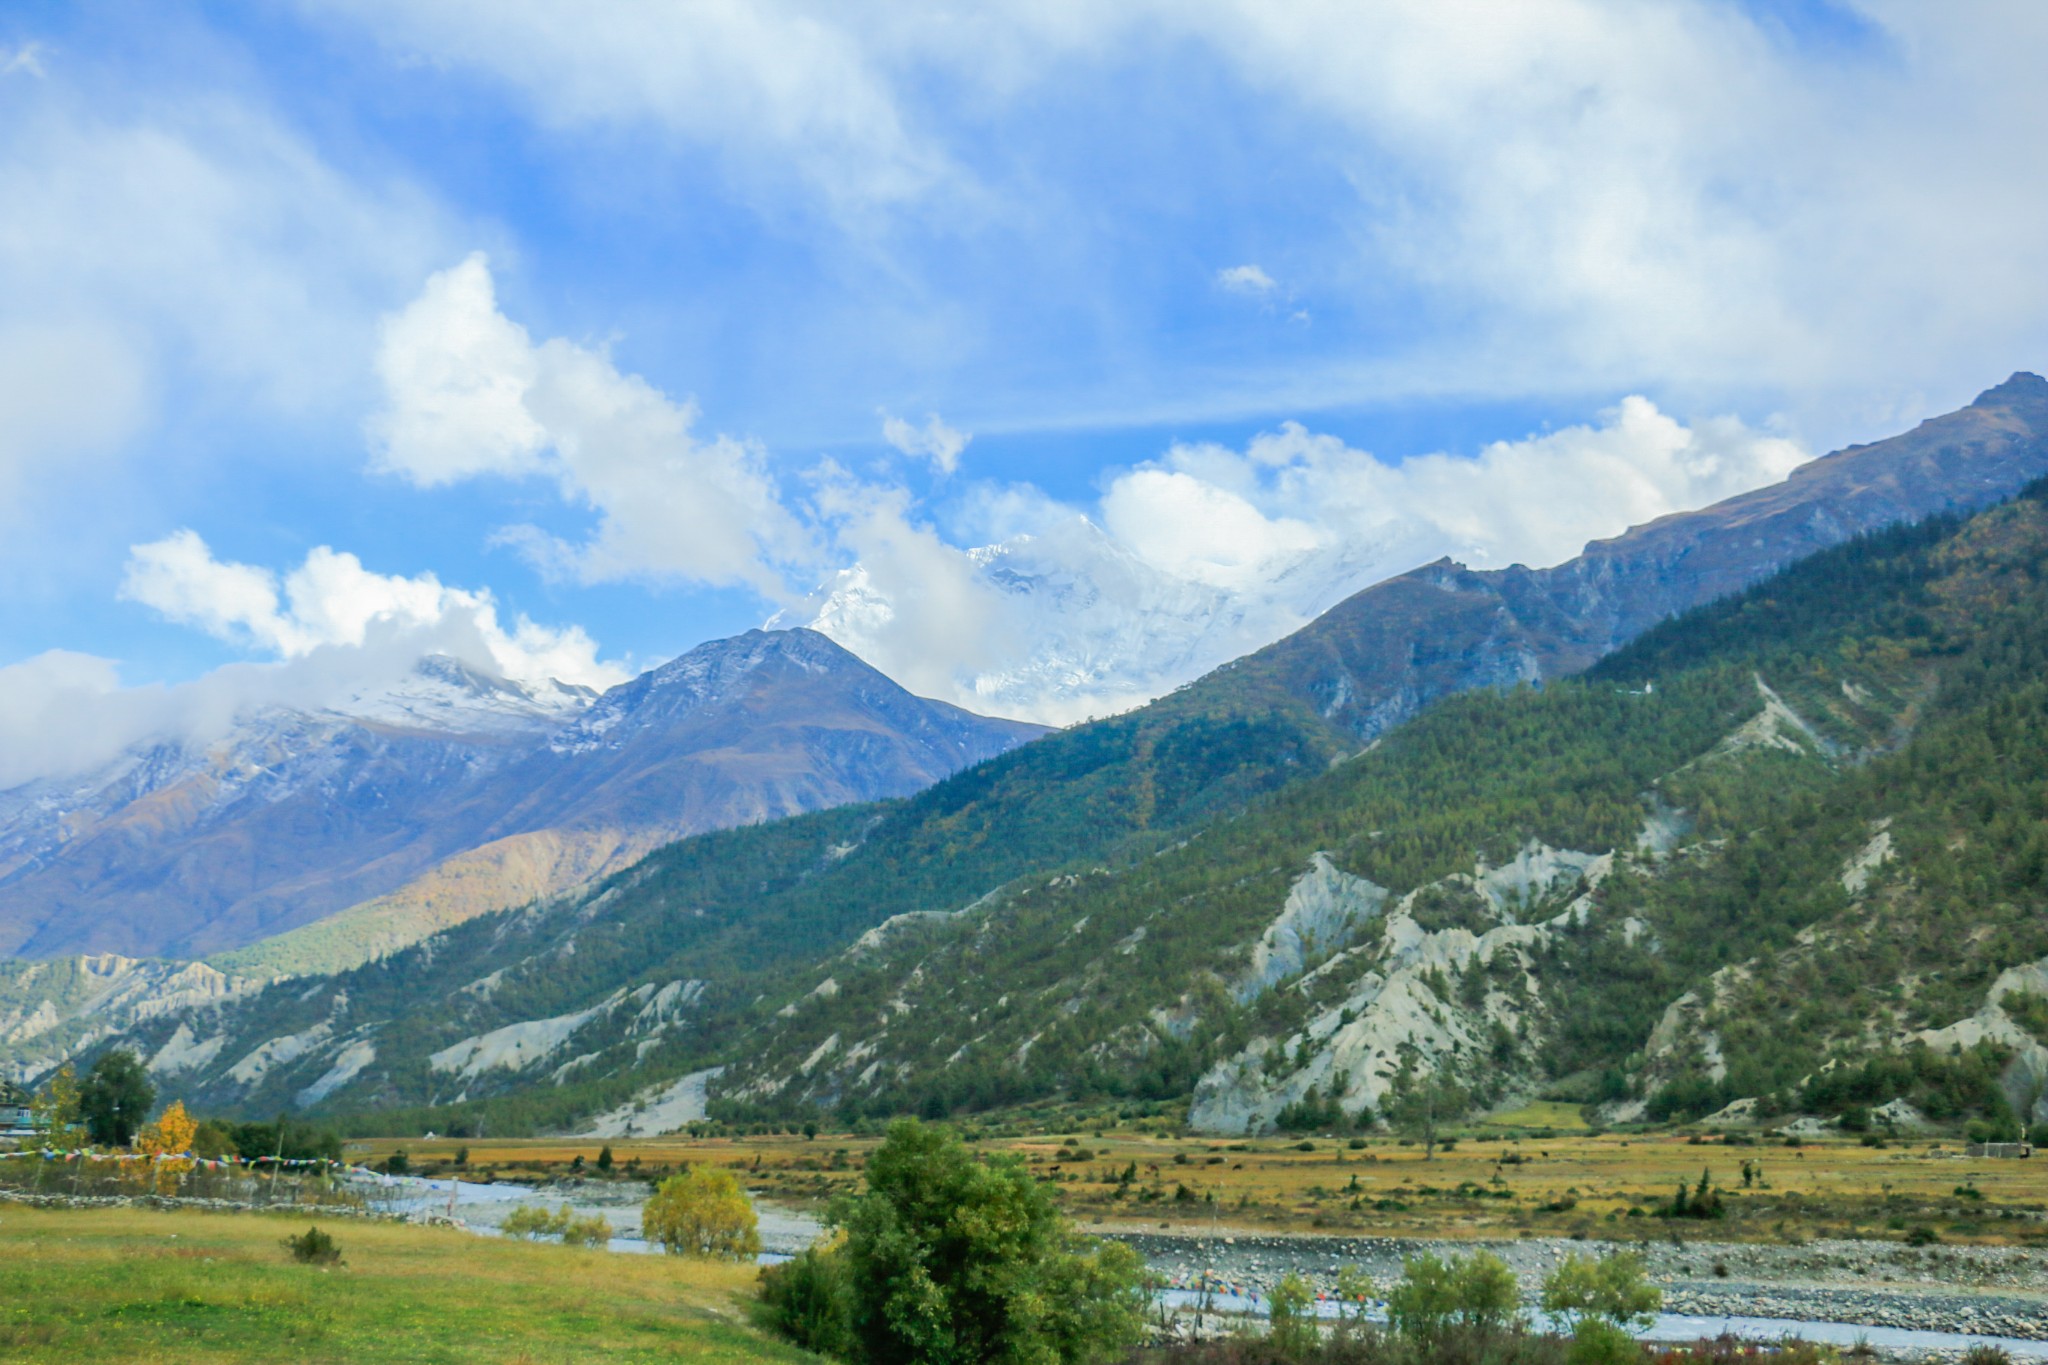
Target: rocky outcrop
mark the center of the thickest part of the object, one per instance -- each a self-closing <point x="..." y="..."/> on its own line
<point x="1400" y="1006"/>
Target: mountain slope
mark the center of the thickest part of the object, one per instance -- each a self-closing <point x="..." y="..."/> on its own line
<point x="1805" y="830"/>
<point x="1383" y="654"/>
<point x="453" y="795"/>
<point x="1220" y="798"/>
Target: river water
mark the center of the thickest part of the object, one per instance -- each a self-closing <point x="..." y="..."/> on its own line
<point x="484" y="1208"/>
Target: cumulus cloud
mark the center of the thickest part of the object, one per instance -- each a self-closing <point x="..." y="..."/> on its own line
<point x="467" y="393"/>
<point x="1246" y="279"/>
<point x="330" y="602"/>
<point x="1210" y="551"/>
<point x="934" y="441"/>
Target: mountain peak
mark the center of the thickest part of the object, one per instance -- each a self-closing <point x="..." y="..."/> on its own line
<point x="446" y="694"/>
<point x="2024" y="387"/>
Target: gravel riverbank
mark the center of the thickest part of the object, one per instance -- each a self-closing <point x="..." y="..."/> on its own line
<point x="1995" y="1291"/>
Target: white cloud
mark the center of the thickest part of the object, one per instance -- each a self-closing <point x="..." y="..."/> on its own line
<point x="1192" y="529"/>
<point x="468" y="393"/>
<point x="934" y="441"/>
<point x="1212" y="552"/>
<point x="26" y="59"/>
<point x="776" y="85"/>
<point x="1566" y="194"/>
<point x="202" y="246"/>
<point x="330" y="601"/>
<point x="1246" y="279"/>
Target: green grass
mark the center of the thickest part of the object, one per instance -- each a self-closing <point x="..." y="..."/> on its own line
<point x="132" y="1285"/>
<point x="1540" y="1114"/>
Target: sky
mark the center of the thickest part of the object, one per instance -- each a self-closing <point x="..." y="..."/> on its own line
<point x="1045" y="354"/>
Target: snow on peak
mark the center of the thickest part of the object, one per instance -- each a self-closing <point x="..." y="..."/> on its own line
<point x="1073" y="623"/>
<point x="443" y="693"/>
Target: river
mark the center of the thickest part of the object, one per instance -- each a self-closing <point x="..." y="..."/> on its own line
<point x="483" y="1208"/>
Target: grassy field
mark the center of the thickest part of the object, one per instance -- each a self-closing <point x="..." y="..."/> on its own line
<point x="1489" y="1185"/>
<point x="123" y="1285"/>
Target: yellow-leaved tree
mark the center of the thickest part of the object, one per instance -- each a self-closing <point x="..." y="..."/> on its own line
<point x="56" y="1108"/>
<point x="168" y="1145"/>
<point x="702" y="1212"/>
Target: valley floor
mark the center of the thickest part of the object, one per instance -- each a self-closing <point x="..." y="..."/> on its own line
<point x="132" y="1285"/>
<point x="1566" y="1185"/>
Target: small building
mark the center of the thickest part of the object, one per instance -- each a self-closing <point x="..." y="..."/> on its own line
<point x="2000" y="1149"/>
<point x="17" y="1108"/>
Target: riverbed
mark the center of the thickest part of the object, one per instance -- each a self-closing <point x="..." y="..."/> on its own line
<point x="1902" y="1300"/>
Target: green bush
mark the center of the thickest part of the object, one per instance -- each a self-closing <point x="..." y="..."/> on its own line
<point x="809" y="1299"/>
<point x="1291" y="1317"/>
<point x="1597" y="1341"/>
<point x="950" y="1258"/>
<point x="313" y="1247"/>
<point x="1476" y="1292"/>
<point x="1613" y="1289"/>
<point x="593" y="1231"/>
<point x="534" y="1221"/>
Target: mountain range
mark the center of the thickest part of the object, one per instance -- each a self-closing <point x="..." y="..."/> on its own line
<point x="1370" y="858"/>
<point x="410" y="808"/>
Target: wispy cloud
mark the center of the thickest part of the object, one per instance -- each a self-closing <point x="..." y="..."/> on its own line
<point x="26" y="60"/>
<point x="1246" y="279"/>
<point x="934" y="441"/>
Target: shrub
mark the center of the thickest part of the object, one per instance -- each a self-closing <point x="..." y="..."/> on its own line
<point x="1984" y="1353"/>
<point x="953" y="1257"/>
<point x="313" y="1247"/>
<point x="1597" y="1341"/>
<point x="533" y="1221"/>
<point x="594" y="1231"/>
<point x="809" y="1299"/>
<point x="398" y="1163"/>
<point x="1613" y="1289"/>
<point x="702" y="1213"/>
<point x="1291" y="1317"/>
<point x="1477" y="1292"/>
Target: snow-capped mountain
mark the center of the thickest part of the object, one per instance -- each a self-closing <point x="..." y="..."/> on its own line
<point x="445" y="695"/>
<point x="1076" y="624"/>
<point x="451" y="791"/>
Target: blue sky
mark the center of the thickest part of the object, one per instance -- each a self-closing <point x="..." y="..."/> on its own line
<point x="1116" y="250"/>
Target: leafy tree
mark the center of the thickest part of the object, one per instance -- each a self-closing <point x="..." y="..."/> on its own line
<point x="954" y="1259"/>
<point x="702" y="1212"/>
<point x="1425" y="1096"/>
<point x="1291" y="1317"/>
<point x="1477" y="1293"/>
<point x="115" y="1098"/>
<point x="214" y="1138"/>
<point x="169" y="1140"/>
<point x="604" y="1158"/>
<point x="56" y="1108"/>
<point x="1613" y="1289"/>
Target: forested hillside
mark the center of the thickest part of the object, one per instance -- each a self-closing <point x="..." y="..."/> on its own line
<point x="1799" y="827"/>
<point x="1808" y="815"/>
